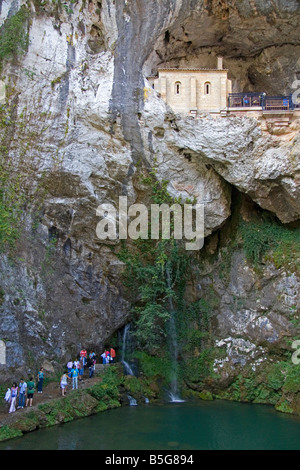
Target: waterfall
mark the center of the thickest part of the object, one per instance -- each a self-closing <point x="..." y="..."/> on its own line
<point x="128" y="369"/>
<point x="173" y="393"/>
<point x="132" y="401"/>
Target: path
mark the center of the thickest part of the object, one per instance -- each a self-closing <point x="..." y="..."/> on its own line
<point x="50" y="392"/>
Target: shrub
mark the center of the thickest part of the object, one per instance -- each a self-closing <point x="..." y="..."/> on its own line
<point x="108" y="390"/>
<point x="270" y="238"/>
<point x="13" y="35"/>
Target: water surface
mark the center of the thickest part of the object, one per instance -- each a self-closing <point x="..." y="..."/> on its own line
<point x="217" y="425"/>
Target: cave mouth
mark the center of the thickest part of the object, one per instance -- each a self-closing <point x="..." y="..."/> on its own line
<point x="260" y="45"/>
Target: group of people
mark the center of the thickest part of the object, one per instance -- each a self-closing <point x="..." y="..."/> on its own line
<point x="20" y="396"/>
<point x="108" y="356"/>
<point x="24" y="392"/>
<point x="75" y="370"/>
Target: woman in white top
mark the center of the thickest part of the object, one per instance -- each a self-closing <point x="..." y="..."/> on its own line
<point x="64" y="383"/>
<point x="14" y="394"/>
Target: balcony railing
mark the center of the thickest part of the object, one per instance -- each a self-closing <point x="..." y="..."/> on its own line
<point x="267" y="103"/>
<point x="245" y="100"/>
<point x="278" y="103"/>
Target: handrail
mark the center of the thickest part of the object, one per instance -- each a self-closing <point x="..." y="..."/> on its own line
<point x="267" y="103"/>
<point x="245" y="100"/>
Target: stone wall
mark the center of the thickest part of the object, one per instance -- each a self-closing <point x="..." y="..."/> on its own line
<point x="186" y="90"/>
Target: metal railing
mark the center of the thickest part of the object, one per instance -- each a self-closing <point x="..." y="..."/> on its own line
<point x="278" y="103"/>
<point x="262" y="100"/>
<point x="245" y="100"/>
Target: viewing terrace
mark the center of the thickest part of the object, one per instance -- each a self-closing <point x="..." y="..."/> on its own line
<point x="260" y="102"/>
<point x="276" y="113"/>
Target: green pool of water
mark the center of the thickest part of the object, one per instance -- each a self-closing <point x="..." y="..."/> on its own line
<point x="218" y="425"/>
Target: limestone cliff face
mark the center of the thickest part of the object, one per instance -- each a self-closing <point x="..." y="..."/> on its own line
<point x="86" y="118"/>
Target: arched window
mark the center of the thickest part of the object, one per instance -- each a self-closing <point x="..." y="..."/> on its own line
<point x="178" y="88"/>
<point x="207" y="88"/>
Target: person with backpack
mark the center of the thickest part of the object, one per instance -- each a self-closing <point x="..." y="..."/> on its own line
<point x="30" y="391"/>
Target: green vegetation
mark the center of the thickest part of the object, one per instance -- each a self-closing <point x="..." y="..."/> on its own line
<point x="197" y="369"/>
<point x="140" y="388"/>
<point x="156" y="274"/>
<point x="111" y="390"/>
<point x="11" y="197"/>
<point x="107" y="392"/>
<point x="277" y="384"/>
<point x="148" y="265"/>
<point x="156" y="369"/>
<point x="14" y="35"/>
<point x="19" y="189"/>
<point x="77" y="404"/>
<point x="271" y="240"/>
<point x="146" y="270"/>
<point x="55" y="5"/>
<point x="10" y="211"/>
<point x="6" y="433"/>
<point x="67" y="6"/>
<point x="262" y="239"/>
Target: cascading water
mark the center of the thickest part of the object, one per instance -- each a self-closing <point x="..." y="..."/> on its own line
<point x="173" y="393"/>
<point x="132" y="401"/>
<point x="127" y="368"/>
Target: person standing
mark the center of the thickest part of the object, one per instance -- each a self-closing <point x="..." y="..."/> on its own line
<point x="84" y="362"/>
<point x="81" y="369"/>
<point x="8" y="395"/>
<point x="107" y="358"/>
<point x="64" y="383"/>
<point x="103" y="355"/>
<point x="30" y="391"/>
<point x="91" y="365"/>
<point x="40" y="378"/>
<point x="74" y="375"/>
<point x="112" y="354"/>
<point x="92" y="355"/>
<point x="13" y="399"/>
<point x="22" y="393"/>
<point x="83" y="353"/>
<point x="69" y="366"/>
